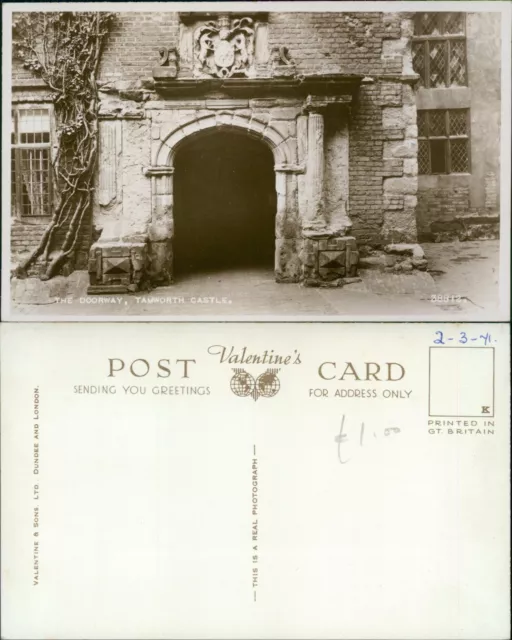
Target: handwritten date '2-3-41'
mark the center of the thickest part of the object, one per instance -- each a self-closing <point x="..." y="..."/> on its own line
<point x="464" y="338"/>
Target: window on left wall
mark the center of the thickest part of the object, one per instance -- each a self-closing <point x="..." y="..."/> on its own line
<point x="31" y="171"/>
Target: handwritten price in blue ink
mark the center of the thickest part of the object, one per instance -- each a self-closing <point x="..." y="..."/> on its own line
<point x="463" y="337"/>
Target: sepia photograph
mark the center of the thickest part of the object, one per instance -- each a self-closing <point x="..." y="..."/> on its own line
<point x="268" y="161"/>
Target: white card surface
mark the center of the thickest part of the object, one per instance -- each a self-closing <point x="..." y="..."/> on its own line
<point x="255" y="481"/>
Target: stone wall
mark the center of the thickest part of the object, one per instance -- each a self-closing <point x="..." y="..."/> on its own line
<point x="383" y="166"/>
<point x="370" y="171"/>
<point x="319" y="42"/>
<point x="444" y="213"/>
<point x="131" y="50"/>
<point x="122" y="201"/>
<point x="366" y="166"/>
<point x="134" y="203"/>
<point x="371" y="43"/>
<point x="338" y="42"/>
<point x="400" y="150"/>
<point x="369" y="168"/>
<point x="466" y="206"/>
<point x="383" y="146"/>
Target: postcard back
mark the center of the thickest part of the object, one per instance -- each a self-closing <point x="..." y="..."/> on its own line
<point x="309" y="481"/>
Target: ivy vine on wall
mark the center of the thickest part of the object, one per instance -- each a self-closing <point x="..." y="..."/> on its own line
<point x="64" y="49"/>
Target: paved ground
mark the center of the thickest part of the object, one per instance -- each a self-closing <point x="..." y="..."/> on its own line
<point x="462" y="281"/>
<point x="470" y="269"/>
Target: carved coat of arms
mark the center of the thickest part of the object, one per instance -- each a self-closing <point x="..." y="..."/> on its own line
<point x="223" y="49"/>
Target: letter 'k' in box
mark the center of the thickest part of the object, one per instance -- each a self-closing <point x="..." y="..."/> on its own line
<point x="461" y="382"/>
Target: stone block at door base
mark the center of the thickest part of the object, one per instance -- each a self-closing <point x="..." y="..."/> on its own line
<point x="326" y="260"/>
<point x="117" y="266"/>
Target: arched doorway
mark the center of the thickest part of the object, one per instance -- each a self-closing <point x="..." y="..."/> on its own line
<point x="224" y="203"/>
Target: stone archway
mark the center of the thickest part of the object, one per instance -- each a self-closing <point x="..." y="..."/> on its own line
<point x="305" y="124"/>
<point x="286" y="168"/>
<point x="259" y="129"/>
<point x="224" y="204"/>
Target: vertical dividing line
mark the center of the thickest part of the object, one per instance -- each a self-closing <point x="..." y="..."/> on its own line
<point x="429" y="378"/>
<point x="427" y="64"/>
<point x="448" y="150"/>
<point x="17" y="185"/>
<point x="31" y="180"/>
<point x="427" y="126"/>
<point x="448" y="78"/>
<point x="41" y="180"/>
<point x="493" y="381"/>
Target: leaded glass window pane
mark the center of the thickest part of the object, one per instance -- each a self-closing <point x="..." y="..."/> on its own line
<point x="437" y="63"/>
<point x="439" y="49"/>
<point x="437" y="123"/>
<point x="418" y="60"/>
<point x="458" y="122"/>
<point x="438" y="24"/>
<point x="454" y="23"/>
<point x="458" y="62"/>
<point x="423" y="157"/>
<point x="428" y="24"/>
<point x="13" y="180"/>
<point x="459" y="156"/>
<point x="443" y="144"/>
<point x="422" y="124"/>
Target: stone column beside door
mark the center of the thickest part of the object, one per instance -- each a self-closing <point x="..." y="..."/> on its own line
<point x="118" y="260"/>
<point x="329" y="255"/>
<point x="315" y="167"/>
<point x="161" y="228"/>
<point x="288" y="228"/>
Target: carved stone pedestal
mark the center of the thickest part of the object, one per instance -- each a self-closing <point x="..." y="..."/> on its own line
<point x="328" y="259"/>
<point x="117" y="266"/>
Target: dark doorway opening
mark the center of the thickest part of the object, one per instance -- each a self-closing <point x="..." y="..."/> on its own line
<point x="224" y="204"/>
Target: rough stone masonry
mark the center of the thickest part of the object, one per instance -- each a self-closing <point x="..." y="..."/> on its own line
<point x="332" y="95"/>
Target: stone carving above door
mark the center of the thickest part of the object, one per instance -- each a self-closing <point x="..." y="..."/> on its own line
<point x="282" y="65"/>
<point x="224" y="48"/>
<point x="169" y="60"/>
